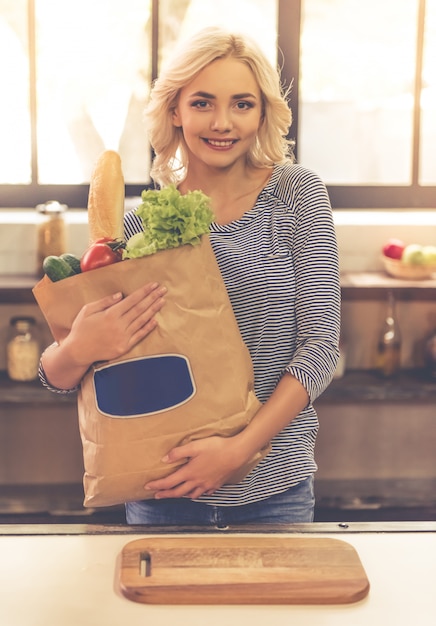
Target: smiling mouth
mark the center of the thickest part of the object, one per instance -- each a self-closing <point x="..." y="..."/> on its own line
<point x="216" y="143"/>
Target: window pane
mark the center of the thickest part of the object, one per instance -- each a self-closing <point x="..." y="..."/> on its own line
<point x="356" y="90"/>
<point x="428" y="99"/>
<point x="93" y="75"/>
<point x="182" y="18"/>
<point x="15" y="148"/>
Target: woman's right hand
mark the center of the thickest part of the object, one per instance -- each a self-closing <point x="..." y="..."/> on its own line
<point x="110" y="327"/>
<point x="103" y="330"/>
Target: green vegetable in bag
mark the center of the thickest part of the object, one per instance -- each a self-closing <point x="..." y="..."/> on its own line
<point x="56" y="268"/>
<point x="73" y="262"/>
<point x="170" y="219"/>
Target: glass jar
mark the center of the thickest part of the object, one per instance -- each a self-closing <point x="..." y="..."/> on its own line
<point x="51" y="231"/>
<point x="23" y="349"/>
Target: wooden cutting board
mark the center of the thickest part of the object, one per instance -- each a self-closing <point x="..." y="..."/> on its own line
<point x="241" y="570"/>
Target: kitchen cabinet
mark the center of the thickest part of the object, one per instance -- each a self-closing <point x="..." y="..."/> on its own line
<point x="344" y="408"/>
<point x="358" y="478"/>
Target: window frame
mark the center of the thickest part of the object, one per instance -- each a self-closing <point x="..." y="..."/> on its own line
<point x="288" y="30"/>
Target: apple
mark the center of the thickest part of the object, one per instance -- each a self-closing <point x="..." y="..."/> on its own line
<point x="413" y="254"/>
<point x="394" y="248"/>
<point x="429" y="255"/>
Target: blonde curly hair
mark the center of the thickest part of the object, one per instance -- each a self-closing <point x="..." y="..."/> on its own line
<point x="171" y="156"/>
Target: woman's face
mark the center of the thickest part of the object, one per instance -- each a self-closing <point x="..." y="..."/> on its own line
<point x="220" y="112"/>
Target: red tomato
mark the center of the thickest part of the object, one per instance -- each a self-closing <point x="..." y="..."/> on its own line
<point x="393" y="248"/>
<point x="98" y="255"/>
<point x="116" y="244"/>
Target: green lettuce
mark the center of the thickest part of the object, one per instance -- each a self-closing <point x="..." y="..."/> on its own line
<point x="170" y="219"/>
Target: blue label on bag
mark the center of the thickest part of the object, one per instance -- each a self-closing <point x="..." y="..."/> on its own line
<point x="143" y="386"/>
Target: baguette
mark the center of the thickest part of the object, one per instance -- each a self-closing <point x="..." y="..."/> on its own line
<point x="106" y="198"/>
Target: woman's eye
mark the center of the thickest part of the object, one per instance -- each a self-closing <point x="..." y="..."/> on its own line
<point x="243" y="105"/>
<point x="200" y="104"/>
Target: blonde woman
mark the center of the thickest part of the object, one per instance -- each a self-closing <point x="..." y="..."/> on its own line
<point x="218" y="121"/>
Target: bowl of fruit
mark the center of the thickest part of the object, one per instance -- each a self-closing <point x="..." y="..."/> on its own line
<point x="409" y="261"/>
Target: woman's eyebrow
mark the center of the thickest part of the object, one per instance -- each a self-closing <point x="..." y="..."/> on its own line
<point x="211" y="96"/>
<point x="241" y="96"/>
<point x="202" y="94"/>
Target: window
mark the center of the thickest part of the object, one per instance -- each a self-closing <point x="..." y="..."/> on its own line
<point x="78" y="74"/>
<point x="15" y="145"/>
<point x="367" y="99"/>
<point x="427" y="175"/>
<point x="93" y="76"/>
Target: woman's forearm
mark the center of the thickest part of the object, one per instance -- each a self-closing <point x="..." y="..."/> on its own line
<point x="59" y="368"/>
<point x="287" y="401"/>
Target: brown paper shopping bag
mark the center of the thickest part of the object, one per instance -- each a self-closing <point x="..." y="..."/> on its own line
<point x="191" y="378"/>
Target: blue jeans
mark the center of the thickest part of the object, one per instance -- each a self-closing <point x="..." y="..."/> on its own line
<point x="294" y="506"/>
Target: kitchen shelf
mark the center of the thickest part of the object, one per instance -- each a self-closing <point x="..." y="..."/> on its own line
<point x="368" y="386"/>
<point x="354" y="386"/>
<point x="377" y="499"/>
<point x="17" y="289"/>
<point x="52" y="503"/>
<point x="12" y="392"/>
<point x="335" y="500"/>
<point x="373" y="286"/>
<point x="375" y="493"/>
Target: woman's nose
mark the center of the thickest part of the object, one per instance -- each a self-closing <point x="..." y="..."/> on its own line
<point x="221" y="121"/>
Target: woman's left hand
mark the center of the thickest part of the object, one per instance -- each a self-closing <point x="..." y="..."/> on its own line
<point x="209" y="462"/>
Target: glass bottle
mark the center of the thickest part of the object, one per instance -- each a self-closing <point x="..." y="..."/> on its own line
<point x="23" y="349"/>
<point x="389" y="343"/>
<point x="51" y="231"/>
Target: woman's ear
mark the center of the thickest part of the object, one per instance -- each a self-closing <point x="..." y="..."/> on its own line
<point x="176" y="119"/>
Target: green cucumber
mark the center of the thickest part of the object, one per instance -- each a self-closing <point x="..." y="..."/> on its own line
<point x="57" y="268"/>
<point x="72" y="261"/>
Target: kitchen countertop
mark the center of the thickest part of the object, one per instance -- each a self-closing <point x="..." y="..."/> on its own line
<point x="51" y="575"/>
